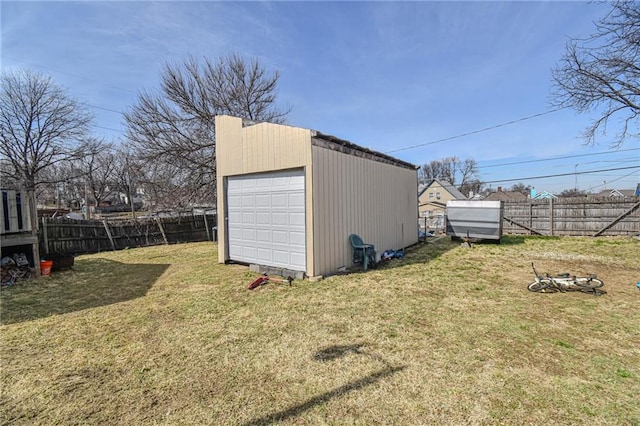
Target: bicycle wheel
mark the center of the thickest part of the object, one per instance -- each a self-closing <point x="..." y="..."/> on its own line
<point x="542" y="286"/>
<point x="588" y="283"/>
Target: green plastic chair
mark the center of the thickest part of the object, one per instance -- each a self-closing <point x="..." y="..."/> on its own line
<point x="363" y="254"/>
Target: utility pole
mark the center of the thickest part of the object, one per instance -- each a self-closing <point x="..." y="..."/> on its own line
<point x="86" y="202"/>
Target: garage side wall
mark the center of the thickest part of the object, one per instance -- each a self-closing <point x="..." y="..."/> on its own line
<point x="263" y="147"/>
<point x="355" y="195"/>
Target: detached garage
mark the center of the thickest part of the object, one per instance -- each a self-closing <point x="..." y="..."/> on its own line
<point x="288" y="198"/>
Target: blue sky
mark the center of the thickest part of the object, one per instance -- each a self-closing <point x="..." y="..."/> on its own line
<point x="384" y="75"/>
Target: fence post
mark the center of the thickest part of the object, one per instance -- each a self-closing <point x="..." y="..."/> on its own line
<point x="550" y="216"/>
<point x="45" y="235"/>
<point x="164" y="236"/>
<point x="106" y="228"/>
<point x="206" y="226"/>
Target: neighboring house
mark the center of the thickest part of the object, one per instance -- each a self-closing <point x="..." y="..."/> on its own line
<point x="501" y="195"/>
<point x="617" y="193"/>
<point x="432" y="199"/>
<point x="116" y="201"/>
<point x="290" y="197"/>
<point x="544" y="195"/>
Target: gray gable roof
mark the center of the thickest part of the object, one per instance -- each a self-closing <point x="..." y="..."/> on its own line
<point x="447" y="186"/>
<point x="505" y="196"/>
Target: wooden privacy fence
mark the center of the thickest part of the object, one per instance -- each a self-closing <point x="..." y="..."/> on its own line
<point x="593" y="216"/>
<point x="67" y="236"/>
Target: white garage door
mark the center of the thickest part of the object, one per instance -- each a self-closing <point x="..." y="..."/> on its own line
<point x="267" y="219"/>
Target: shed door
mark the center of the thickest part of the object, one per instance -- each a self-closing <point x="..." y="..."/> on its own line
<point x="266" y="224"/>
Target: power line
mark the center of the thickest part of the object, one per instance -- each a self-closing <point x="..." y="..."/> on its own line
<point x="558" y="158"/>
<point x="84" y="78"/>
<point x="611" y="181"/>
<point x="109" y="128"/>
<point x="477" y="131"/>
<point x="562" y="174"/>
<point x="103" y="108"/>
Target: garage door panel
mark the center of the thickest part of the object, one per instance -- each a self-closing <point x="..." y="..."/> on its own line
<point x="234" y="201"/>
<point x="262" y="183"/>
<point x="235" y="250"/>
<point x="248" y="184"/>
<point x="279" y="218"/>
<point x="248" y="217"/>
<point x="263" y="200"/>
<point x="263" y="218"/>
<point x="279" y="200"/>
<point x="234" y="185"/>
<point x="249" y="252"/>
<point x="298" y="260"/>
<point x="248" y="200"/>
<point x="249" y="234"/>
<point x="280" y="182"/>
<point x="280" y="257"/>
<point x="296" y="219"/>
<point x="263" y="236"/>
<point x="280" y="237"/>
<point x="297" y="238"/>
<point x="296" y="183"/>
<point x="265" y="255"/>
<point x="266" y="219"/>
<point x="296" y="200"/>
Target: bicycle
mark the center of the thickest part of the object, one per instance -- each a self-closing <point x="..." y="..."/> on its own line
<point x="13" y="274"/>
<point x="565" y="282"/>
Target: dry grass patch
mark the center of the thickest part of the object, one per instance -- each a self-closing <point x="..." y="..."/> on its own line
<point x="165" y="335"/>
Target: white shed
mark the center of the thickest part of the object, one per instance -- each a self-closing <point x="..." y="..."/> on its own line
<point x="288" y="197"/>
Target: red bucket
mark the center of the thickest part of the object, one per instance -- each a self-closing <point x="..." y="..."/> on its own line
<point x="45" y="267"/>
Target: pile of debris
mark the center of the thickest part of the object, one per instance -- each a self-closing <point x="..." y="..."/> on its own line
<point x="14" y="268"/>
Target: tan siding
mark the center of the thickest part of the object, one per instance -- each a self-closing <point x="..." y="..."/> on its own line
<point x="354" y="195"/>
<point x="259" y="148"/>
<point x="309" y="185"/>
<point x="229" y="133"/>
<point x="322" y="211"/>
<point x="228" y="136"/>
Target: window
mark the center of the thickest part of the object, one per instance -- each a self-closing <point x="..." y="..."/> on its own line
<point x="430" y="195"/>
<point x="438" y="195"/>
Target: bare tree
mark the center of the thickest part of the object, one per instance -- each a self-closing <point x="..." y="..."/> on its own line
<point x="175" y="128"/>
<point x="98" y="168"/>
<point x="468" y="170"/>
<point x="444" y="169"/>
<point x="64" y="181"/>
<point x="574" y="192"/>
<point x="601" y="73"/>
<point x="448" y="169"/>
<point x="40" y="126"/>
<point x="522" y="188"/>
<point x="164" y="187"/>
<point x="471" y="187"/>
<point x="80" y="182"/>
<point x="127" y="173"/>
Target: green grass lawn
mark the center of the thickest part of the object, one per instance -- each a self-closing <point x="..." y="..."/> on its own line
<point x="447" y="335"/>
